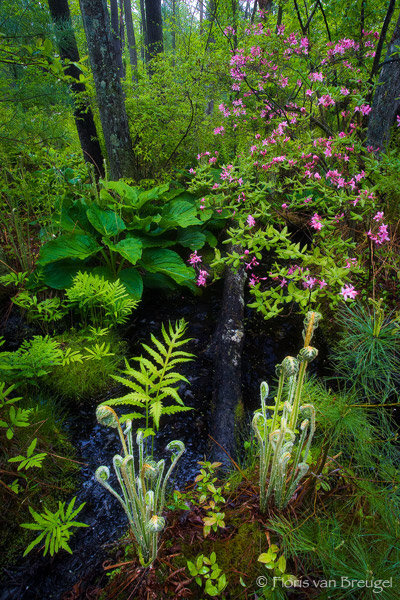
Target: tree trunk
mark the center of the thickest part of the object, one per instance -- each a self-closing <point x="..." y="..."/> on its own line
<point x="116" y="40"/>
<point x="83" y="115"/>
<point x="110" y="97"/>
<point x="201" y="16"/>
<point x="130" y="34"/>
<point x="154" y="30"/>
<point x="144" y="29"/>
<point x="227" y="347"/>
<point x="173" y="26"/>
<point x="386" y="102"/>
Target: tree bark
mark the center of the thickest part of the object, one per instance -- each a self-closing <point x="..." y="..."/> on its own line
<point x="386" y="102"/>
<point x="116" y="40"/>
<point x="110" y="96"/>
<point x="131" y="38"/>
<point x="83" y="115"/>
<point x="154" y="29"/>
<point x="227" y="347"/>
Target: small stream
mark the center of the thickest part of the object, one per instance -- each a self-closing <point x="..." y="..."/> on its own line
<point x="70" y="577"/>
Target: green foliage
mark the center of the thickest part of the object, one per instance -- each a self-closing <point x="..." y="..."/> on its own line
<point x="16" y="417"/>
<point x="30" y="460"/>
<point x="44" y="311"/>
<point x="337" y="549"/>
<point x="210" y="497"/>
<point x="143" y="489"/>
<point x="279" y="448"/>
<point x="206" y="571"/>
<point x="34" y="358"/>
<point x="102" y="302"/>
<point x="367" y="357"/>
<point x="155" y="381"/>
<point x="90" y="358"/>
<point x="127" y="231"/>
<point x="275" y="563"/>
<point x="54" y="527"/>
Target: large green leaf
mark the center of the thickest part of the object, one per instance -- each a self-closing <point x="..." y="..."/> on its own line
<point x="179" y="213"/>
<point x="128" y="195"/>
<point x="59" y="275"/>
<point x="191" y="238"/>
<point x="106" y="222"/>
<point x="73" y="217"/>
<point x="129" y="248"/>
<point x="148" y="241"/>
<point x="158" y="281"/>
<point x="133" y="282"/>
<point x="69" y="245"/>
<point x="169" y="263"/>
<point x="142" y="224"/>
<point x="152" y="194"/>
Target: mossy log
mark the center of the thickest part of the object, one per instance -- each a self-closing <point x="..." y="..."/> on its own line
<point x="227" y="357"/>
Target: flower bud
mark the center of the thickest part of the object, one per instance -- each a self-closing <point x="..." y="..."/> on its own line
<point x="308" y="353"/>
<point x="156" y="524"/>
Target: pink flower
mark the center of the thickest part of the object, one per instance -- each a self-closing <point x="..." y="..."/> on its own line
<point x="316" y="76"/>
<point x="398" y="120"/>
<point x="348" y="291"/>
<point x="284" y="206"/>
<point x="250" y="221"/>
<point x="316" y="222"/>
<point x="322" y="284"/>
<point x="309" y="282"/>
<point x="219" y="130"/>
<point x="378" y="216"/>
<point x="202" y="278"/>
<point x="194" y="258"/>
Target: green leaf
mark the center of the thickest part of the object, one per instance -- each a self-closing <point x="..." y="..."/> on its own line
<point x="168" y="263"/>
<point x="133" y="282"/>
<point x="59" y="275"/>
<point x="282" y="564"/>
<point x="106" y="222"/>
<point x="179" y="213"/>
<point x="68" y="245"/>
<point x="129" y="248"/>
<point x="191" y="238"/>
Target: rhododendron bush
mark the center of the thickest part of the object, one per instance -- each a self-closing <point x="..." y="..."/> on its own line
<point x="292" y="169"/>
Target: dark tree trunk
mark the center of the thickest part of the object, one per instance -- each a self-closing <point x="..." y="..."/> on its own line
<point x="83" y="115"/>
<point x="173" y="26"/>
<point x="144" y="28"/>
<point x="386" y="102"/>
<point x="110" y="97"/>
<point x="201" y="15"/>
<point x="130" y="34"/>
<point x="227" y="347"/>
<point x="116" y="40"/>
<point x="154" y="29"/>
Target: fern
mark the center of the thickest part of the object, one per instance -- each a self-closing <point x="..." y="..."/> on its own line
<point x="103" y="302"/>
<point x="155" y="379"/>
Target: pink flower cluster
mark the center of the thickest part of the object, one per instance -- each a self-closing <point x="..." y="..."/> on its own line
<point x="316" y="222"/>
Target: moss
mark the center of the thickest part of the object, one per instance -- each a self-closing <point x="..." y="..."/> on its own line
<point x="80" y="380"/>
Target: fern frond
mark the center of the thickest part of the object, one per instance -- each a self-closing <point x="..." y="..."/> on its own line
<point x="132" y="399"/>
<point x="148" y="364"/>
<point x="132" y="384"/>
<point x="171" y="410"/>
<point x="157" y="357"/>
